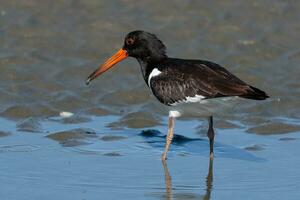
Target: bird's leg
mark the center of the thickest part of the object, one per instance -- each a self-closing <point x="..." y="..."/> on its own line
<point x="211" y="136"/>
<point x="169" y="137"/>
<point x="168" y="181"/>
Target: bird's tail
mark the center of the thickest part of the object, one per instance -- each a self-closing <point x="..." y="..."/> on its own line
<point x="254" y="93"/>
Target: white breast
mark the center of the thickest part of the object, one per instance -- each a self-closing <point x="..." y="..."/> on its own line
<point x="155" y="72"/>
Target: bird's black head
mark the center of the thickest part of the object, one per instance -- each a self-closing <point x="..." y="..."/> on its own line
<point x="144" y="46"/>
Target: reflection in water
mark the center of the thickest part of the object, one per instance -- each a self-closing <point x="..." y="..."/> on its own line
<point x="168" y="181"/>
<point x="209" y="180"/>
<point x="181" y="143"/>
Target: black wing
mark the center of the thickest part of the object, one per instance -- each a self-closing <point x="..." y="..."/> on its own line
<point x="187" y="78"/>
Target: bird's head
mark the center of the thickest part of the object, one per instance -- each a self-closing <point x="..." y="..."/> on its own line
<point x="144" y="46"/>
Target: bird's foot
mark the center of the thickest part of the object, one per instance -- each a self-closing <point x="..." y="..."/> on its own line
<point x="211" y="156"/>
<point x="163" y="157"/>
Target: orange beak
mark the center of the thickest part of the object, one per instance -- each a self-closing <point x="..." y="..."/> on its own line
<point x="117" y="57"/>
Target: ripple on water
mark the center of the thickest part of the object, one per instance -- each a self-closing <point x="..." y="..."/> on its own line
<point x="287" y="139"/>
<point x="74" y="137"/>
<point x="274" y="128"/>
<point x="96" y="151"/>
<point x="112" y="154"/>
<point x="4" y="133"/>
<point x="111" y="138"/>
<point x="18" y="148"/>
<point x="29" y="125"/>
<point x="256" y="147"/>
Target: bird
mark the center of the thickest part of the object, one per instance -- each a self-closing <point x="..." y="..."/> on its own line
<point x="175" y="81"/>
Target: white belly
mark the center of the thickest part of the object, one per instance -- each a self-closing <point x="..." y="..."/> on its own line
<point x="206" y="107"/>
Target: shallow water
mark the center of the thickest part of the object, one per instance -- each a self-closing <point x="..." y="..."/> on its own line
<point x="88" y="160"/>
<point x="111" y="147"/>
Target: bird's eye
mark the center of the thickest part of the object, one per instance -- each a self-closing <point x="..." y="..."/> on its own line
<point x="129" y="41"/>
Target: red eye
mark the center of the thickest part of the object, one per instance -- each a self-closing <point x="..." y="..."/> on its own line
<point x="129" y="41"/>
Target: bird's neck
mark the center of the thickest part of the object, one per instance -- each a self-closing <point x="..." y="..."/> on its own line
<point x="147" y="67"/>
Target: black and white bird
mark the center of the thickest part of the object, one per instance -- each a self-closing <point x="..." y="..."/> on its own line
<point x="175" y="81"/>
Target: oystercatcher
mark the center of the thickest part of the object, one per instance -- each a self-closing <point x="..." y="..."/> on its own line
<point x="175" y="81"/>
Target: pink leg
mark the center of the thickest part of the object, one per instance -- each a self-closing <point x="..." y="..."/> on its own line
<point x="169" y="137"/>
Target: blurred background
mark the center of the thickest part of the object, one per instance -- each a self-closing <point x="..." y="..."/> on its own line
<point x="48" y="48"/>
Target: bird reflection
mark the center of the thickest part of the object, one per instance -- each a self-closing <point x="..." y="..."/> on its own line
<point x="168" y="181"/>
<point x="208" y="181"/>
